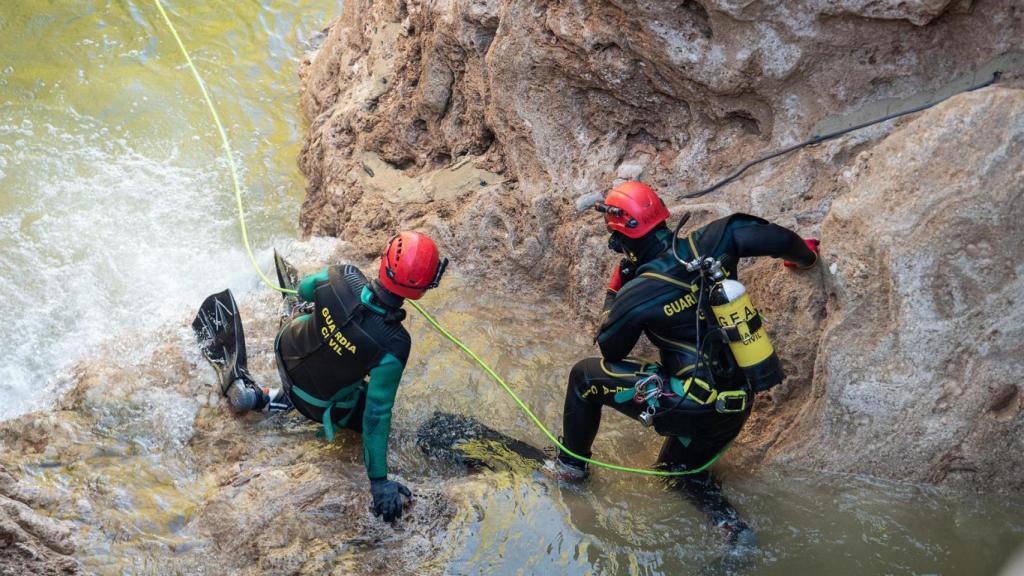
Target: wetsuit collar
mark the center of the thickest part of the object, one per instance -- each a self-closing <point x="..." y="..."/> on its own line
<point x="379" y="299"/>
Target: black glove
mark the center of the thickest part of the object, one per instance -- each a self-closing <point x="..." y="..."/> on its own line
<point x="387" y="498"/>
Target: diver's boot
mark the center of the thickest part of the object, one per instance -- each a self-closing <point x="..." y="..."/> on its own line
<point x="277" y="400"/>
<point x="740" y="536"/>
<point x="244" y="395"/>
<point x="566" y="472"/>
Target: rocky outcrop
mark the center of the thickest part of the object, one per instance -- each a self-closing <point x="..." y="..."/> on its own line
<point x="919" y="362"/>
<point x="30" y="542"/>
<point x="560" y="99"/>
<point x="155" y="475"/>
<point x="507" y="111"/>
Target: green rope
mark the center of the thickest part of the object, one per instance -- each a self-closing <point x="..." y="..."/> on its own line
<point x="526" y="409"/>
<point x="430" y="319"/>
<point x="227" y="150"/>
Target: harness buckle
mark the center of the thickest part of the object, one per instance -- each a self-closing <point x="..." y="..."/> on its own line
<point x="299" y="308"/>
<point x="647" y="416"/>
<point x="731" y="401"/>
<point x="701" y="392"/>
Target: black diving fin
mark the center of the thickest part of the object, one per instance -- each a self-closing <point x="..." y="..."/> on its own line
<point x="288" y="278"/>
<point x="218" y="329"/>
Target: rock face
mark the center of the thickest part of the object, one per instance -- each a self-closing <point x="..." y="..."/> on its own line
<point x="482" y="122"/>
<point x="920" y="358"/>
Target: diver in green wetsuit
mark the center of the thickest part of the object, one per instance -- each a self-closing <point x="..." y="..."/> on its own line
<point x="652" y="293"/>
<point x="342" y="359"/>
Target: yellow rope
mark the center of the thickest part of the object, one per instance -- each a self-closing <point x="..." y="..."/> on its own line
<point x="430" y="319"/>
<point x="227" y="150"/>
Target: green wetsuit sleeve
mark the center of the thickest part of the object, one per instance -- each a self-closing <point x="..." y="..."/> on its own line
<point x="307" y="287"/>
<point x="380" y="399"/>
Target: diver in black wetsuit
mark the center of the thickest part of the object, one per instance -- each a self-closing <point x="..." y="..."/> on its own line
<point x="652" y="293"/>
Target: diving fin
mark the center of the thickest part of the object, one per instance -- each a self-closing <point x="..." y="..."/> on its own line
<point x="287" y="278"/>
<point x="218" y="329"/>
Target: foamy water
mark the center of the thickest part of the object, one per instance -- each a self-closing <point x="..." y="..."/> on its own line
<point x="116" y="210"/>
<point x="105" y="238"/>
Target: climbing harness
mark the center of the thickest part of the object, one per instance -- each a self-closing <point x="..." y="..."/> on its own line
<point x="430" y="319"/>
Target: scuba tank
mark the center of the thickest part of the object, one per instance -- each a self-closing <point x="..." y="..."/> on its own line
<point x="742" y="327"/>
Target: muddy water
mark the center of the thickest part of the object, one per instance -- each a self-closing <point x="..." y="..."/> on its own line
<point x="107" y="177"/>
<point x="115" y="204"/>
<point x="807" y="523"/>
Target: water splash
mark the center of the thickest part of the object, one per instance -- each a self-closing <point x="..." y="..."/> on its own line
<point x="105" y="238"/>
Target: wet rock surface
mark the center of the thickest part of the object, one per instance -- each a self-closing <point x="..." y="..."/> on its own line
<point x="550" y="101"/>
<point x="144" y="469"/>
<point x="31" y="542"/>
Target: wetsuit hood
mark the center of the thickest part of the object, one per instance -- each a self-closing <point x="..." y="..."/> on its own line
<point x="645" y="248"/>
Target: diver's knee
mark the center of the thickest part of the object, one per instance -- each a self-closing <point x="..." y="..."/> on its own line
<point x="579" y="378"/>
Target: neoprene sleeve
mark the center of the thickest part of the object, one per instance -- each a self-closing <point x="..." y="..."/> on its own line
<point x="771" y="240"/>
<point x="307" y="287"/>
<point x="380" y="399"/>
<point x="618" y="340"/>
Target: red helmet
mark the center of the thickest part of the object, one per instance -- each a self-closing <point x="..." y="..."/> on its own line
<point x="633" y="208"/>
<point x="411" y="265"/>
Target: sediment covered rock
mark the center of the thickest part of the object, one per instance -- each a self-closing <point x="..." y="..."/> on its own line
<point x="482" y="122"/>
<point x="145" y="470"/>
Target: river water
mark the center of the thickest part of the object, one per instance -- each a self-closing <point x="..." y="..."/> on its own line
<point x="116" y="219"/>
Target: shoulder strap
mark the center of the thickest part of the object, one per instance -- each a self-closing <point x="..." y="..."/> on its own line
<point x="338" y="297"/>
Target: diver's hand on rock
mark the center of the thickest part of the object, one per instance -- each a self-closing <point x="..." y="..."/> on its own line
<point x="389" y="498"/>
<point x="812" y="244"/>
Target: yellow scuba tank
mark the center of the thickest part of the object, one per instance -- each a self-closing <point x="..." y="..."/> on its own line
<point x="748" y="340"/>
